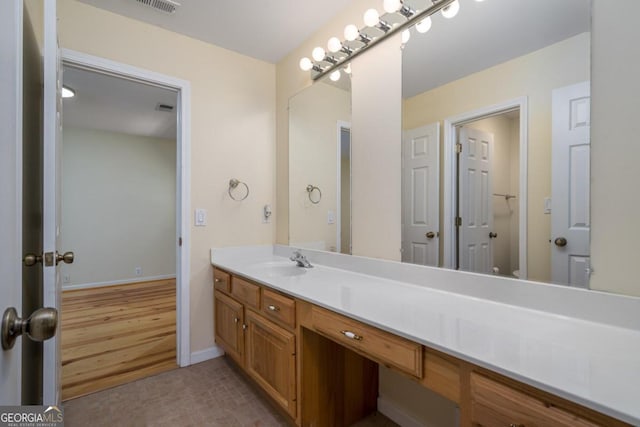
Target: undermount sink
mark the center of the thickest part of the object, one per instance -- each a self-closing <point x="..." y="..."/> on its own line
<point x="278" y="269"/>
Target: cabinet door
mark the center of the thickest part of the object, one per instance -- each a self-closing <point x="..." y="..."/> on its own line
<point x="271" y="360"/>
<point x="228" y="321"/>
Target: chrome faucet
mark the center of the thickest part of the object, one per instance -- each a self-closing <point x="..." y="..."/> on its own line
<point x="300" y="260"/>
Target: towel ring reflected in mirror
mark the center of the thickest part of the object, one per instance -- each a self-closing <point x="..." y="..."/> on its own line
<point x="310" y="190"/>
<point x="233" y="184"/>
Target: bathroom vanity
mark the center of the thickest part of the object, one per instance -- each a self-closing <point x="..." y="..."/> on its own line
<point x="507" y="352"/>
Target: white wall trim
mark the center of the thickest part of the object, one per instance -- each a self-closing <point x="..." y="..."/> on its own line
<point x="450" y="194"/>
<point x="206" y="354"/>
<point x="395" y="414"/>
<point x="117" y="282"/>
<point x="183" y="181"/>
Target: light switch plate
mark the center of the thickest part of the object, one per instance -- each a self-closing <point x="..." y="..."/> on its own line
<point x="331" y="217"/>
<point x="547" y="205"/>
<point x="201" y="217"/>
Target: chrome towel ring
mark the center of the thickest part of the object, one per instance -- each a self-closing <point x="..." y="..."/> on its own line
<point x="310" y="190"/>
<point x="233" y="184"/>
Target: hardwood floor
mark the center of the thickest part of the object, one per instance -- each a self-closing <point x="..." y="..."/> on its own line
<point x="117" y="334"/>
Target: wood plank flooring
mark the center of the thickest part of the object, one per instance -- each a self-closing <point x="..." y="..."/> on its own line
<point x="116" y="334"/>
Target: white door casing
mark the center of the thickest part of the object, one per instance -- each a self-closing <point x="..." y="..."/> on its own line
<point x="420" y="195"/>
<point x="11" y="189"/>
<point x="52" y="132"/>
<point x="476" y="204"/>
<point x="570" y="192"/>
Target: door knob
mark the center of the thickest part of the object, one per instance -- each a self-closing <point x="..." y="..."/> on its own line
<point x="40" y="326"/>
<point x="30" y="260"/>
<point x="67" y="258"/>
<point x="560" y="241"/>
<point x="493" y="235"/>
<point x="430" y="235"/>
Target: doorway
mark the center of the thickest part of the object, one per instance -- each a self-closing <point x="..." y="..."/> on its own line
<point x="343" y="226"/>
<point x="174" y="158"/>
<point x="485" y="187"/>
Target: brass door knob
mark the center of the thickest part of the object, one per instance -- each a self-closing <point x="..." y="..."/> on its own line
<point x="560" y="241"/>
<point x="67" y="258"/>
<point x="493" y="235"/>
<point x="430" y="235"/>
<point x="40" y="326"/>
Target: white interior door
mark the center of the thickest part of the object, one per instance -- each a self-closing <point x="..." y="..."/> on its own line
<point x="52" y="128"/>
<point x="11" y="190"/>
<point x="475" y="197"/>
<point x="420" y="195"/>
<point x="570" y="218"/>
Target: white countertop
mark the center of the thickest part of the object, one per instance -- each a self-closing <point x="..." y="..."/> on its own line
<point x="517" y="328"/>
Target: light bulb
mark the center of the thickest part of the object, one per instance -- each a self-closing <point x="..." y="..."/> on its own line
<point x="424" y="25"/>
<point x="318" y="54"/>
<point x="351" y="32"/>
<point x="391" y="6"/>
<point x="67" y="92"/>
<point x="335" y="76"/>
<point x="305" y="64"/>
<point x="451" y="10"/>
<point x="406" y="35"/>
<point x="347" y="69"/>
<point x="334" y="45"/>
<point x="371" y="18"/>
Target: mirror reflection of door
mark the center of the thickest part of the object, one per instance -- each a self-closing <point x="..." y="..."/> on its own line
<point x="344" y="188"/>
<point x="420" y="195"/>
<point x="488" y="180"/>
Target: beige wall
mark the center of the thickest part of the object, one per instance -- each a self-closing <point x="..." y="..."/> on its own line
<point x="313" y="158"/>
<point x="556" y="66"/>
<point x="118" y="206"/>
<point x="614" y="149"/>
<point x="232" y="132"/>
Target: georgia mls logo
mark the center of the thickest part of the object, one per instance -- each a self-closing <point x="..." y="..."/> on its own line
<point x="52" y="414"/>
<point x="31" y="416"/>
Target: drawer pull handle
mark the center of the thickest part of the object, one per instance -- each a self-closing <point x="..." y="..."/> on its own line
<point x="236" y="320"/>
<point x="516" y="425"/>
<point x="351" y="335"/>
<point x="273" y="308"/>
<point x="217" y="280"/>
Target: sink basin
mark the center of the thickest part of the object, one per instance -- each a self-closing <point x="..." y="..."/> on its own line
<point x="278" y="269"/>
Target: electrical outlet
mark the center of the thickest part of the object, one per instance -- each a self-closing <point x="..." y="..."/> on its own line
<point x="138" y="271"/>
<point x="266" y="214"/>
<point x="66" y="278"/>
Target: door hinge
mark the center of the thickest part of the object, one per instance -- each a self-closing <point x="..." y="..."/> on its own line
<point x="458" y="221"/>
<point x="458" y="148"/>
<point x="180" y="241"/>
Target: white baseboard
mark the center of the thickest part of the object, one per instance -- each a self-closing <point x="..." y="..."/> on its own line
<point x="206" y="354"/>
<point x="395" y="414"/>
<point x="117" y="282"/>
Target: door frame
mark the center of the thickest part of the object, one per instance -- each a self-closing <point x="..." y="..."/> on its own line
<point x="183" y="178"/>
<point x="341" y="125"/>
<point x="450" y="172"/>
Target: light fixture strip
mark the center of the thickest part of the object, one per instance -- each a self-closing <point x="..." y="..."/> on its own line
<point x="435" y="7"/>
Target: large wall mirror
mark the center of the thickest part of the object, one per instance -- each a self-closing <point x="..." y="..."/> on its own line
<point x="320" y="166"/>
<point x="496" y="140"/>
<point x="495" y="144"/>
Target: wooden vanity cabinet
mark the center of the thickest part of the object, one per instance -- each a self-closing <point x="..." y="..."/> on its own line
<point x="265" y="349"/>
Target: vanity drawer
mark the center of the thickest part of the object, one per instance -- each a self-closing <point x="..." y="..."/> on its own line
<point x="496" y="404"/>
<point x="221" y="280"/>
<point x="279" y="308"/>
<point x="245" y="292"/>
<point x="371" y="342"/>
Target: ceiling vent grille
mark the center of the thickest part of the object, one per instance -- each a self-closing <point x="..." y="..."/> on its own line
<point x="166" y="6"/>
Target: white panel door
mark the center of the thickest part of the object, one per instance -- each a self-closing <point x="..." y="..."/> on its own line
<point x="476" y="209"/>
<point x="420" y="195"/>
<point x="51" y="196"/>
<point x="570" y="192"/>
<point x="11" y="190"/>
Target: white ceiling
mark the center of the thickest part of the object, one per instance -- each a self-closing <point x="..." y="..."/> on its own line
<point x="263" y="29"/>
<point x="113" y="104"/>
<point x="484" y="34"/>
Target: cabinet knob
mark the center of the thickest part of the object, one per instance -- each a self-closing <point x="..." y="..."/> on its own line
<point x="273" y="308"/>
<point x="216" y="280"/>
<point x="236" y="320"/>
<point x="516" y="425"/>
<point x="244" y="327"/>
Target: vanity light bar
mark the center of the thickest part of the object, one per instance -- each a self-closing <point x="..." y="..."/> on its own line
<point x="318" y="70"/>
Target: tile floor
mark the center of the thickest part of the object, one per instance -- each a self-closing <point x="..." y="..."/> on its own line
<point x="211" y="393"/>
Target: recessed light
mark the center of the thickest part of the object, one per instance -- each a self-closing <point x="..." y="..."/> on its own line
<point x="67" y="92"/>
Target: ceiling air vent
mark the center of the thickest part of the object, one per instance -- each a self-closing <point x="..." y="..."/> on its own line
<point x="166" y="6"/>
<point x="164" y="107"/>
